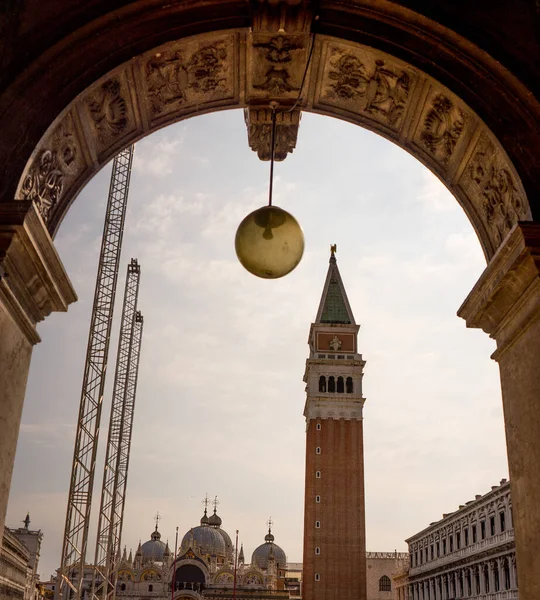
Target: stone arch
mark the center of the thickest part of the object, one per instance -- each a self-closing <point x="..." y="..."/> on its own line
<point x="346" y="80"/>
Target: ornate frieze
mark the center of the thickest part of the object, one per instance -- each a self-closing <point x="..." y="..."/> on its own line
<point x="365" y="83"/>
<point x="499" y="198"/>
<point x="190" y="73"/>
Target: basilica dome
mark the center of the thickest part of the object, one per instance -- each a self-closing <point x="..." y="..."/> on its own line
<point x="261" y="554"/>
<point x="154" y="548"/>
<point x="207" y="539"/>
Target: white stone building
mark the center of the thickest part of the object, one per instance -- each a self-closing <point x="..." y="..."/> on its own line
<point x="469" y="553"/>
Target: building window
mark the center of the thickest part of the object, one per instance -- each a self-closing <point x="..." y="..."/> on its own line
<point x="318" y="474"/>
<point x="438" y="550"/>
<point x="318" y="450"/>
<point x="341" y="356"/>
<point x="474" y="534"/>
<point x="318" y="427"/>
<point x="502" y="520"/>
<point x="317" y="524"/>
<point x="477" y="579"/>
<point x="150" y="588"/>
<point x="340" y="385"/>
<point x="331" y="384"/>
<point x="483" y="530"/>
<point x="322" y="383"/>
<point x="317" y="577"/>
<point x="492" y="525"/>
<point x="317" y="499"/>
<point x="466" y="532"/>
<point x="486" y="579"/>
<point x="349" y="385"/>
<point x="385" y="585"/>
<point x="431" y="551"/>
<point x="444" y="547"/>
<point x="123" y="587"/>
<point x="458" y="540"/>
<point x="317" y="550"/>
<point x="451" y="541"/>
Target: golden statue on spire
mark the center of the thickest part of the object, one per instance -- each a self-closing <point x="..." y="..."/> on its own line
<point x="333" y="249"/>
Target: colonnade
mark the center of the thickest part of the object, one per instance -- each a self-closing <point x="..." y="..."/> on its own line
<point x="473" y="581"/>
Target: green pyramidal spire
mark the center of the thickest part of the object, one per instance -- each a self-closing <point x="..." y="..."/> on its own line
<point x="334" y="306"/>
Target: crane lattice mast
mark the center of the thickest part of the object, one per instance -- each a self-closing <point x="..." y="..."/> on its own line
<point x="75" y="540"/>
<point x="118" y="441"/>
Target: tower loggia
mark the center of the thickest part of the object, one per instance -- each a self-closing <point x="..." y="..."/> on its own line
<point x="334" y="516"/>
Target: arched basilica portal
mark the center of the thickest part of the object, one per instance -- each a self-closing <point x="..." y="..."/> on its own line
<point x="454" y="84"/>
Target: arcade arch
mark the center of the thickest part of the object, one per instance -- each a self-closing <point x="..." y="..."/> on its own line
<point x="49" y="153"/>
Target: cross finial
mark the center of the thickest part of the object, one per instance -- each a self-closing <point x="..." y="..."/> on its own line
<point x="158" y="519"/>
<point x="205" y="502"/>
<point x="215" y="503"/>
<point x="270" y="523"/>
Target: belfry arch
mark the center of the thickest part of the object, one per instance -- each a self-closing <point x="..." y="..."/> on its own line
<point x="91" y="83"/>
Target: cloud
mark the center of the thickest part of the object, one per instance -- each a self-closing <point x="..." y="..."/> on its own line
<point x="157" y="157"/>
<point x="433" y="196"/>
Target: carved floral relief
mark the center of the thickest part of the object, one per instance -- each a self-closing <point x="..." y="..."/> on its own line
<point x="177" y="78"/>
<point x="366" y="85"/>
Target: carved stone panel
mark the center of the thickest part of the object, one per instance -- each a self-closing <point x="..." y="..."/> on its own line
<point x="494" y="189"/>
<point x="189" y="73"/>
<point x="362" y="81"/>
<point x="108" y="113"/>
<point x="56" y="165"/>
<point x="441" y="126"/>
<point x="277" y="64"/>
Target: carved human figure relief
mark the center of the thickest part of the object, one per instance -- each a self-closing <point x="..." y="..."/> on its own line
<point x="335" y="343"/>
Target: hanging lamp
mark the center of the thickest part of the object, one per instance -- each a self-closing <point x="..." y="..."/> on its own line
<point x="269" y="242"/>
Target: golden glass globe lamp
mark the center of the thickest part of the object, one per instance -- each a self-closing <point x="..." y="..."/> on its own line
<point x="269" y="242"/>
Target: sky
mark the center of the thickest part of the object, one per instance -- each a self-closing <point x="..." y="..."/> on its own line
<point x="220" y="395"/>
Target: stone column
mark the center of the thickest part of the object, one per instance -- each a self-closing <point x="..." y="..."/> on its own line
<point x="33" y="284"/>
<point x="505" y="302"/>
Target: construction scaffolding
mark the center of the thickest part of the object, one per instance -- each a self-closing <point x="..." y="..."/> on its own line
<point x="75" y="540"/>
<point x="118" y="441"/>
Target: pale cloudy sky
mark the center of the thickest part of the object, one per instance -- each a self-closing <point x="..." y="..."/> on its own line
<point x="220" y="397"/>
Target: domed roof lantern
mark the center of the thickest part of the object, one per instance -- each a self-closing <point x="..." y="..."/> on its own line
<point x="269" y="538"/>
<point x="214" y="520"/>
<point x="204" y="518"/>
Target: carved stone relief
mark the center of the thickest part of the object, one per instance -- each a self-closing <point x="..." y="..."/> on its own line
<point x="499" y="197"/>
<point x="366" y="84"/>
<point x="278" y="65"/>
<point x="259" y="124"/>
<point x="55" y="166"/>
<point x="441" y="128"/>
<point x="189" y="74"/>
<point x="109" y="110"/>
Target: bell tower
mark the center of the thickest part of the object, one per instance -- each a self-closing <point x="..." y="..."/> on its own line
<point x="334" y="515"/>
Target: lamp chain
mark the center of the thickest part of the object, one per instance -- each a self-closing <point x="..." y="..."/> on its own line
<point x="272" y="151"/>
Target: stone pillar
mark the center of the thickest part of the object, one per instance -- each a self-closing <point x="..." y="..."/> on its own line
<point x="505" y="302"/>
<point x="33" y="284"/>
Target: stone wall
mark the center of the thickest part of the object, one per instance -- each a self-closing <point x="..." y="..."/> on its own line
<point x="379" y="565"/>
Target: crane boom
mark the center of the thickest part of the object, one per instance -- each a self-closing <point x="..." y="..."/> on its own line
<point x="118" y="441"/>
<point x="75" y="539"/>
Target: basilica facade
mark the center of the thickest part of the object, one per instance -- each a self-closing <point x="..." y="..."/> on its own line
<point x="204" y="565"/>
